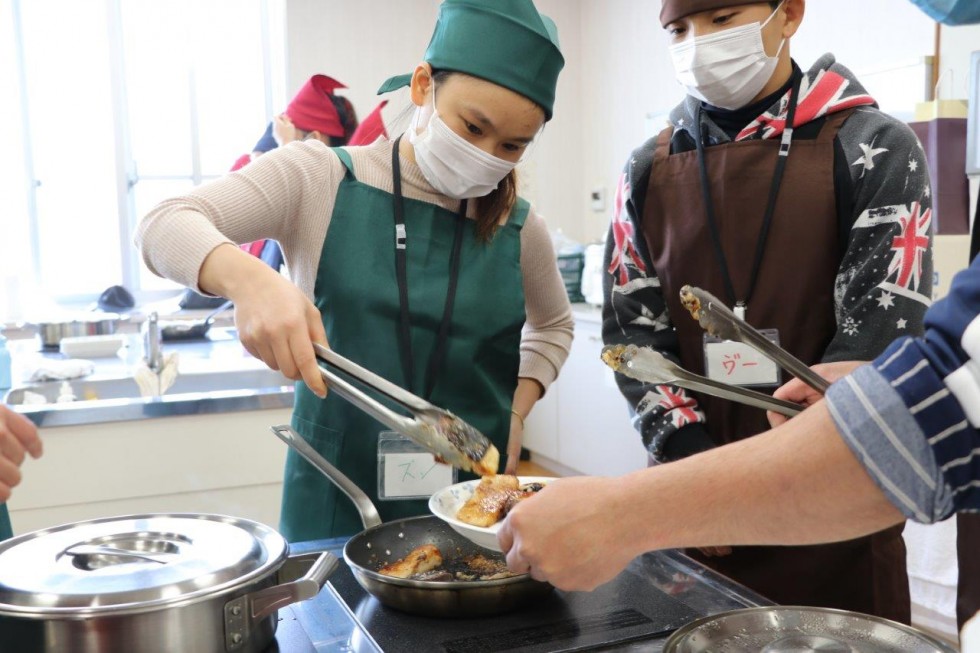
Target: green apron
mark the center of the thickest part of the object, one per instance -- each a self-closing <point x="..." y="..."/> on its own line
<point x="357" y="295"/>
<point x="6" y="531"/>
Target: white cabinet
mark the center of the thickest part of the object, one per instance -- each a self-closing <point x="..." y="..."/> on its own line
<point x="541" y="426"/>
<point x="226" y="463"/>
<point x="583" y="423"/>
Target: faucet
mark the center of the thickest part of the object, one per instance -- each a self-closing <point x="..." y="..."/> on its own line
<point x="152" y="343"/>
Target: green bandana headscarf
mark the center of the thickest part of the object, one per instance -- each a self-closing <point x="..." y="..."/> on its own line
<point x="506" y="42"/>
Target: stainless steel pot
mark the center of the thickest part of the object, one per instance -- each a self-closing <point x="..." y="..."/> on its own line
<point x="792" y="629"/>
<point x="381" y="544"/>
<point x="151" y="583"/>
<point x="50" y="333"/>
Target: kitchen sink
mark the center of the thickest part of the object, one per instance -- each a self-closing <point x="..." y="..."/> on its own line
<point x="99" y="389"/>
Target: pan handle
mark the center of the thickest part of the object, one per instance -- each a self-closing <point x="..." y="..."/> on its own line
<point x="242" y="613"/>
<point x="369" y="514"/>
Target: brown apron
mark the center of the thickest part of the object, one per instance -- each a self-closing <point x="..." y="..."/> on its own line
<point x="967" y="548"/>
<point x="794" y="294"/>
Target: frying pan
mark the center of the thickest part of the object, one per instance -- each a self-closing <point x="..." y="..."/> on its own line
<point x="380" y="544"/>
<point x="191" y="330"/>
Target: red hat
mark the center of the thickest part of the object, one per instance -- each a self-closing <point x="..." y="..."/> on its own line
<point x="241" y="162"/>
<point x="370" y="128"/>
<point x="313" y="110"/>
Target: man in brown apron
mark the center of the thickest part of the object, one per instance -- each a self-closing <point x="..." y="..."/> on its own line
<point x="818" y="233"/>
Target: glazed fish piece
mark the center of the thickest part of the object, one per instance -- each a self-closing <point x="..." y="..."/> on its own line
<point x="419" y="560"/>
<point x="696" y="301"/>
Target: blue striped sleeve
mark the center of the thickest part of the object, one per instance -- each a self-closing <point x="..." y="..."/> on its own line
<point x="873" y="419"/>
<point x="912" y="416"/>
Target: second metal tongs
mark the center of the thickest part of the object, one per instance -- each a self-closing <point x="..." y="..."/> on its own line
<point x="438" y="430"/>
<point x="718" y="320"/>
<point x="650" y="366"/>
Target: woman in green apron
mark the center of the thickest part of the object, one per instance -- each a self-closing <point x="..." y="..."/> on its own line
<point x="414" y="258"/>
<point x="18" y="437"/>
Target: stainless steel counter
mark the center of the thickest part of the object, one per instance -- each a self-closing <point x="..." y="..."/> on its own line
<point x="216" y="375"/>
<point x="341" y="620"/>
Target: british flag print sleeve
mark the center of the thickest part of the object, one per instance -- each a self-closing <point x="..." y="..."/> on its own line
<point x="634" y="312"/>
<point x="884" y="282"/>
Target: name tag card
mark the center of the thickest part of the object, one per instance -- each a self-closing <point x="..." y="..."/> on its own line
<point x="407" y="471"/>
<point x="736" y="363"/>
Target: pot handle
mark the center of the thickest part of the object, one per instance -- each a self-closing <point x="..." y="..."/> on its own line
<point x="266" y="601"/>
<point x="243" y="613"/>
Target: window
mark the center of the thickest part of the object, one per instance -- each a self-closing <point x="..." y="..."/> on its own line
<point x="119" y="104"/>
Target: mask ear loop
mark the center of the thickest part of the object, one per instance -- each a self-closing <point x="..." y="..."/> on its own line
<point x="418" y="111"/>
<point x="782" y="42"/>
<point x="774" y="12"/>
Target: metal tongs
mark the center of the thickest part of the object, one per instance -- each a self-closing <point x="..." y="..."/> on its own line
<point x="438" y="430"/>
<point x="650" y="366"/>
<point x="719" y="321"/>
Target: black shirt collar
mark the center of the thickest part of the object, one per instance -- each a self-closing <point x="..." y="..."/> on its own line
<point x="732" y="121"/>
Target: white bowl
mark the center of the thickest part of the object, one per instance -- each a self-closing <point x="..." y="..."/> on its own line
<point x="446" y="502"/>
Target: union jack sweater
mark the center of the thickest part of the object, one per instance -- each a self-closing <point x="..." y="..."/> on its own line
<point x="884" y="280"/>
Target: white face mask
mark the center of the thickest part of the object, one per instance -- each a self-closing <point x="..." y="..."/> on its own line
<point x="726" y="69"/>
<point x="454" y="166"/>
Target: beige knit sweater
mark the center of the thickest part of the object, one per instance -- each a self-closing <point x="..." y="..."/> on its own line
<point x="288" y="195"/>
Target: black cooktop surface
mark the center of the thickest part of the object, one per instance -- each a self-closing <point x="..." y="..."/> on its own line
<point x="627" y="608"/>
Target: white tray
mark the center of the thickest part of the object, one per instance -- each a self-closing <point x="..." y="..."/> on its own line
<point x="92" y="346"/>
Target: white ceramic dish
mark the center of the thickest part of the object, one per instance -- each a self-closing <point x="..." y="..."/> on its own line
<point x="446" y="502"/>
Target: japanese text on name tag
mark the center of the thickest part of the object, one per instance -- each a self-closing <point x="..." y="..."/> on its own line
<point x="414" y="474"/>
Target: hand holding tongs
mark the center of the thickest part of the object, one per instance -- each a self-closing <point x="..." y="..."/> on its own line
<point x="442" y="433"/>
<point x="719" y="321"/>
<point x="650" y="366"/>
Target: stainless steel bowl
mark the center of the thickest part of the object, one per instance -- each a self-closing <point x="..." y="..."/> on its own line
<point x="50" y="333"/>
<point x="792" y="629"/>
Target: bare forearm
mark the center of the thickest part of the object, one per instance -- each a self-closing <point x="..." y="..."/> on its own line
<point x="228" y="271"/>
<point x="526" y="395"/>
<point x="797" y="484"/>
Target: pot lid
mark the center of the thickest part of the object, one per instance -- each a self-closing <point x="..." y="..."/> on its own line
<point x="135" y="561"/>
<point x="790" y="629"/>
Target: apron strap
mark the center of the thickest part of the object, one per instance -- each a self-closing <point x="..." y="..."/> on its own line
<point x="832" y="125"/>
<point x="518" y="213"/>
<point x="662" y="150"/>
<point x="345" y="158"/>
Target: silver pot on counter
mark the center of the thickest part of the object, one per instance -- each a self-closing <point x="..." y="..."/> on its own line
<point x="792" y="629"/>
<point x="151" y="583"/>
<point x="51" y="332"/>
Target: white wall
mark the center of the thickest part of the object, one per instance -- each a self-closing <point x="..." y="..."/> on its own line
<point x="617" y="74"/>
<point x="552" y="177"/>
<point x="360" y="43"/>
<point x="956" y="44"/>
<point x="363" y="43"/>
<point x="626" y="76"/>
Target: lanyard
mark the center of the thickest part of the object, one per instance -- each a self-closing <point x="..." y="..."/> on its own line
<point x="740" y="306"/>
<point x="401" y="267"/>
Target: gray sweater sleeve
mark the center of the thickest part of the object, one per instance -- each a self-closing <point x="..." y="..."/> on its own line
<point x="635" y="312"/>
